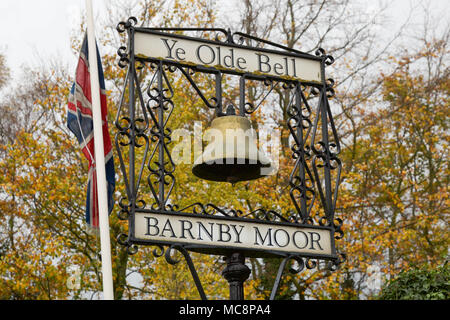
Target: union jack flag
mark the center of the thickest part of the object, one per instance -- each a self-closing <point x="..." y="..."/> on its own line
<point x="80" y="122"/>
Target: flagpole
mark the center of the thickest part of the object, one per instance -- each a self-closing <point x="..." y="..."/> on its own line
<point x="108" y="293"/>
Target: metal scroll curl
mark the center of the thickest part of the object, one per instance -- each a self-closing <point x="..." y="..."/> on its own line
<point x="123" y="240"/>
<point x="160" y="251"/>
<point x="301" y="264"/>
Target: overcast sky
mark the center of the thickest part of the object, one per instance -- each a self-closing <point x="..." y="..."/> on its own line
<point x="32" y="28"/>
<point x="41" y="28"/>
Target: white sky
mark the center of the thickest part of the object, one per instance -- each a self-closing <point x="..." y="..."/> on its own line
<point x="30" y="29"/>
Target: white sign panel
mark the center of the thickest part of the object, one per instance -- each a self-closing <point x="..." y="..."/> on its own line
<point x="221" y="232"/>
<point x="221" y="56"/>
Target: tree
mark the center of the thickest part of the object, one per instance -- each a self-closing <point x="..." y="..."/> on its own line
<point x="346" y="31"/>
<point x="395" y="198"/>
<point x="4" y="71"/>
<point x="394" y="190"/>
<point x="32" y="266"/>
<point x="419" y="284"/>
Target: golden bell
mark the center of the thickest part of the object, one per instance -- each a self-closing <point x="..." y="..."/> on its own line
<point x="232" y="154"/>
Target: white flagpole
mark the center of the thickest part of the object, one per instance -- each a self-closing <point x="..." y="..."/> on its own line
<point x="108" y="293"/>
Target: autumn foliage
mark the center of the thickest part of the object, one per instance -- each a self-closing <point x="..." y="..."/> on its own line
<point x="393" y="198"/>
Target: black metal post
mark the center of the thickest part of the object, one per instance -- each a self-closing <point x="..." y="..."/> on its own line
<point x="236" y="272"/>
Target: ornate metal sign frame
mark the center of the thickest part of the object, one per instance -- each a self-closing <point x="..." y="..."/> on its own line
<point x="313" y="161"/>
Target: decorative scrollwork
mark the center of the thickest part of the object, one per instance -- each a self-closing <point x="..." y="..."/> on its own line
<point x="329" y="88"/>
<point x="337" y="224"/>
<point x="143" y="134"/>
<point x="328" y="60"/>
<point x="210" y="209"/>
<point x="325" y="152"/>
<point x="249" y="107"/>
<point x="228" y="35"/>
<point x="168" y="255"/>
<point x="255" y="42"/>
<point x="160" y="107"/>
<point x="301" y="180"/>
<point x="333" y="265"/>
<point x="310" y="263"/>
<point x="124" y="212"/>
<point x="199" y="208"/>
<point x="122" y="53"/>
<point x="123" y="240"/>
<point x="157" y="253"/>
<point x="269" y="215"/>
<point x="122" y="26"/>
<point x="212" y="102"/>
<point x="300" y="264"/>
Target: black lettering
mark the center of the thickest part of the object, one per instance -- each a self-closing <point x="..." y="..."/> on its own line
<point x="276" y="238"/>
<point x="180" y="51"/>
<point x="183" y="229"/>
<point x="169" y="48"/>
<point x="315" y="240"/>
<point x="168" y="227"/>
<point x="149" y="226"/>
<point x="295" y="241"/>
<point x="199" y="57"/>
<point x="239" y="61"/>
<point x="238" y="234"/>
<point x="293" y="64"/>
<point x="208" y="233"/>
<point x="230" y="58"/>
<point x="261" y="62"/>
<point x="276" y="67"/>
<point x="286" y="70"/>
<point x="222" y="232"/>
<point x="268" y="235"/>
